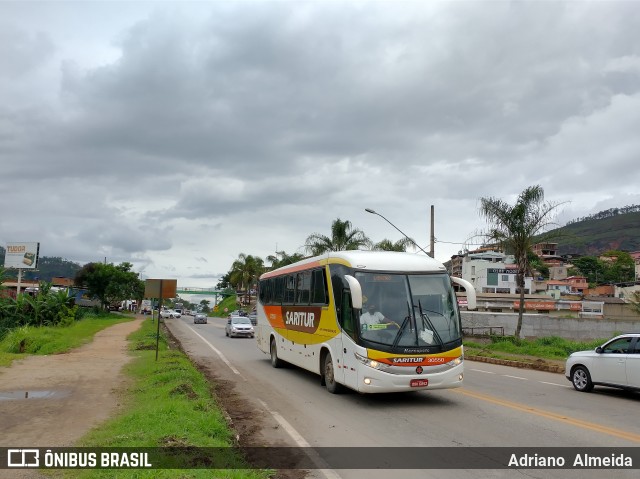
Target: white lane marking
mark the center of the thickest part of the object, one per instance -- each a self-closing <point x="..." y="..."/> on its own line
<point x="301" y="442"/>
<point x="518" y="377"/>
<point x="218" y="352"/>
<point x="556" y="384"/>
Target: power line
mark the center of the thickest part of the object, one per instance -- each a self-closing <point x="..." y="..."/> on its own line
<point x="460" y="242"/>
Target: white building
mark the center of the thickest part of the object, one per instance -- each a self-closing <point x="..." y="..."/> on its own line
<point x="492" y="272"/>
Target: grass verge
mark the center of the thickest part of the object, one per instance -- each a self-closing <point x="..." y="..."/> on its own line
<point x="507" y="347"/>
<point x="168" y="403"/>
<point x="43" y="340"/>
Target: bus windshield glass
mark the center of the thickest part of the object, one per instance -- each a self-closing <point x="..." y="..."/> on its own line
<point x="408" y="310"/>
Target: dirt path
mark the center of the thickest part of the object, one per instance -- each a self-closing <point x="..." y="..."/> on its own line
<point x="69" y="394"/>
<point x="54" y="400"/>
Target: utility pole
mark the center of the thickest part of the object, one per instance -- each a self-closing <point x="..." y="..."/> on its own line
<point x="432" y="236"/>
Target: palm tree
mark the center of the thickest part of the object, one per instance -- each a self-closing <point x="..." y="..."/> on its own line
<point x="400" y="245"/>
<point x="281" y="258"/>
<point x="245" y="270"/>
<point x="343" y="237"/>
<point x="515" y="227"/>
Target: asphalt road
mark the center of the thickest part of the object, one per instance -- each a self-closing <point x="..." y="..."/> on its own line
<point x="498" y="406"/>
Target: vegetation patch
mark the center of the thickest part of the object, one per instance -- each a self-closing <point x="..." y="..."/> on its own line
<point x="225" y="306"/>
<point x="509" y="347"/>
<point x="186" y="390"/>
<point x="168" y="404"/>
<point x="42" y="340"/>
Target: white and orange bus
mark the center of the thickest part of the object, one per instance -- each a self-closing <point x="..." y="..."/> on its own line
<point x="312" y="314"/>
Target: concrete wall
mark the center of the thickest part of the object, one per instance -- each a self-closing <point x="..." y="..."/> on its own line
<point x="620" y="312"/>
<point x="541" y="325"/>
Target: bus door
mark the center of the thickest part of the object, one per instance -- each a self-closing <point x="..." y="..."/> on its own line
<point x="347" y="353"/>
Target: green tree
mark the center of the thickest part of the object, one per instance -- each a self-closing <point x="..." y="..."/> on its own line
<point x="205" y="306"/>
<point x="619" y="267"/>
<point x="343" y="237"/>
<point x="281" y="259"/>
<point x="515" y="227"/>
<point x="536" y="264"/>
<point x="110" y="284"/>
<point x="388" y="245"/>
<point x="223" y="283"/>
<point x="591" y="267"/>
<point x="611" y="267"/>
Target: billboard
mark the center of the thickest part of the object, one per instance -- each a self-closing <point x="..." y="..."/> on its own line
<point x="22" y="255"/>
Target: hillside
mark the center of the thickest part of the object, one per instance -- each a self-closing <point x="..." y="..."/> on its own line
<point x="594" y="236"/>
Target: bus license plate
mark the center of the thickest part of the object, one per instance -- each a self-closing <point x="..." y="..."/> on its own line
<point x="419" y="383"/>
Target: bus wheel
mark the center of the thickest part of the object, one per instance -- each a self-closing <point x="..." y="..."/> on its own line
<point x="275" y="361"/>
<point x="329" y="377"/>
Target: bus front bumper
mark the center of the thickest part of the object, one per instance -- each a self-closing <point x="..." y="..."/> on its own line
<point x="377" y="381"/>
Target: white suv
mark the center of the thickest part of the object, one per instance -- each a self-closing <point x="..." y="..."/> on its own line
<point x="615" y="364"/>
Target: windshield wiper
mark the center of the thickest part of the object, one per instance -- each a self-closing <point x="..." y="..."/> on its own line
<point x="426" y="322"/>
<point x="406" y="320"/>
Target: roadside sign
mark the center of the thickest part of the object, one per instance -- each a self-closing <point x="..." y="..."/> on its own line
<point x="160" y="288"/>
<point x="22" y="255"/>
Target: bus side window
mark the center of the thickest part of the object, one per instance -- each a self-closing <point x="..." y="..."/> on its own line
<point x="318" y="287"/>
<point x="263" y="287"/>
<point x="346" y="314"/>
<point x="337" y="272"/>
<point x="303" y="287"/>
<point x="290" y="289"/>
<point x="278" y="291"/>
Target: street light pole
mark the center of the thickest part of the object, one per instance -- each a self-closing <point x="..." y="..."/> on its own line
<point x="432" y="238"/>
<point x="369" y="210"/>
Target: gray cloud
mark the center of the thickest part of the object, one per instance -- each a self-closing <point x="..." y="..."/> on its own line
<point x="178" y="138"/>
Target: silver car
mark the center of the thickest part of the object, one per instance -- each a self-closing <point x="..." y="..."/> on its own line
<point x="239" y="326"/>
<point x="615" y="364"/>
<point x="199" y="318"/>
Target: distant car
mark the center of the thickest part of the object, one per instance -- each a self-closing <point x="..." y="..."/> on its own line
<point x="169" y="313"/>
<point x="253" y="317"/>
<point x="615" y="364"/>
<point x="200" y="318"/>
<point x="239" y="326"/>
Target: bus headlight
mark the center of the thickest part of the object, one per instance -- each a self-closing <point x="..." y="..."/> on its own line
<point x="457" y="361"/>
<point x="372" y="363"/>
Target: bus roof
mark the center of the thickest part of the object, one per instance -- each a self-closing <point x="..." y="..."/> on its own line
<point x="366" y="260"/>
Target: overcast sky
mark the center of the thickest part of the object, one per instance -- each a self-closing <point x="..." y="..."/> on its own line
<point x="178" y="135"/>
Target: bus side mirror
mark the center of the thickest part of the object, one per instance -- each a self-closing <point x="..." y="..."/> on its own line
<point x="471" y="292"/>
<point x="356" y="291"/>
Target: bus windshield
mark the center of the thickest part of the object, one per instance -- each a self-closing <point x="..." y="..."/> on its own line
<point x="408" y="310"/>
